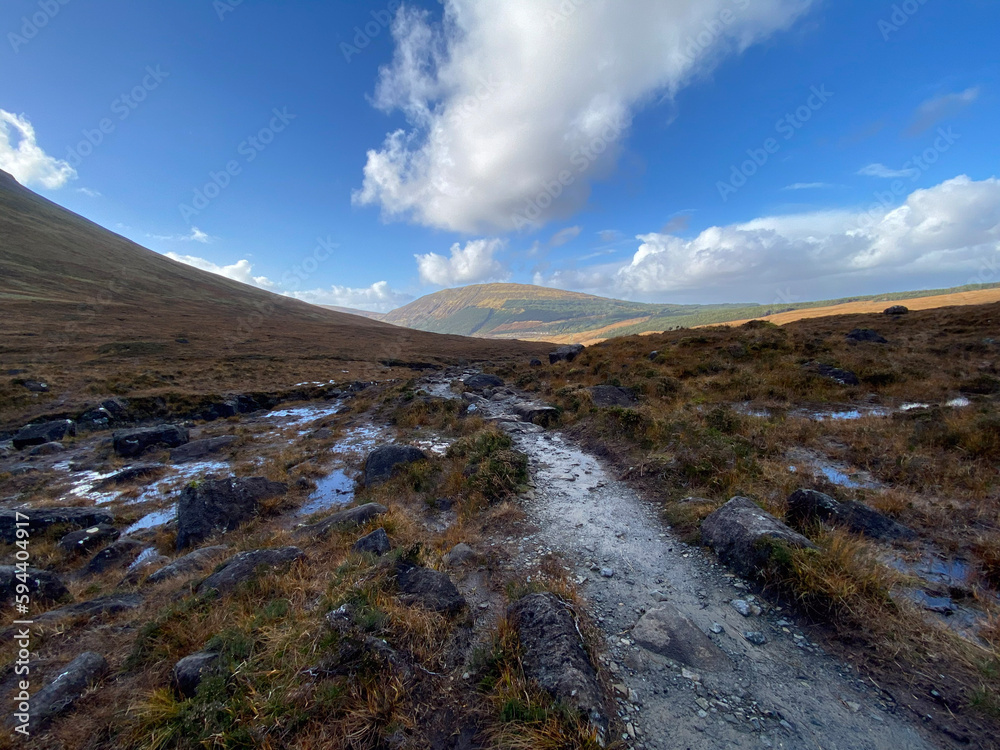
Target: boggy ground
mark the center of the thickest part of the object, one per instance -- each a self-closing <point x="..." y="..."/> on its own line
<point x="720" y="412"/>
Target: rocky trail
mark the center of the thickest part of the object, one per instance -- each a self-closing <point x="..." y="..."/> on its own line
<point x="698" y="661"/>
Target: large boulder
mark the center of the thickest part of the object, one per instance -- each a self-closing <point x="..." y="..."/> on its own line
<point x="667" y="632"/>
<point x="809" y="506"/>
<point x="382" y="462"/>
<point x="43" y="432"/>
<point x="430" y="589"/>
<point x="565" y="353"/>
<point x="481" y="382"/>
<point x="896" y="310"/>
<point x="745" y="537"/>
<point x="611" y="395"/>
<point x="132" y="443"/>
<point x="836" y="374"/>
<point x="43" y="585"/>
<point x="244" y="566"/>
<point x="192" y="562"/>
<point x="86" y="540"/>
<point x="188" y="673"/>
<point x="40" y="520"/>
<point x="198" y="449"/>
<point x="111" y="412"/>
<point x="554" y="654"/>
<point x="346" y="519"/>
<point x="220" y="505"/>
<point x="58" y="696"/>
<point x="866" y="335"/>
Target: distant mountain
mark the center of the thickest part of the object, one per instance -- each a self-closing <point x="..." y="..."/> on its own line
<point x="523" y="311"/>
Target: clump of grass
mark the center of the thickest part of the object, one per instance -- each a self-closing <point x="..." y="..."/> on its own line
<point x="493" y="468"/>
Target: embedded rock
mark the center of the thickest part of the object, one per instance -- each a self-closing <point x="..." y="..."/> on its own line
<point x="667" y="632"/>
<point x="67" y="688"/>
<point x="844" y="377"/>
<point x="610" y="395"/>
<point x="429" y="588"/>
<point x="810" y="506"/>
<point x="43" y="432"/>
<point x="39" y="520"/>
<point x="117" y="555"/>
<point x="85" y="540"/>
<point x="43" y="585"/>
<point x="867" y="335"/>
<point x="47" y="449"/>
<point x="188" y="673"/>
<point x="131" y="474"/>
<point x="132" y="443"/>
<point x="376" y="543"/>
<point x="459" y="555"/>
<point x="745" y="537"/>
<point x="192" y="562"/>
<point x="554" y="655"/>
<point x="198" y="449"/>
<point x="244" y="566"/>
<point x="482" y="382"/>
<point x="105" y="605"/>
<point x="345" y="519"/>
<point x="539" y="414"/>
<point x="382" y="462"/>
<point x="896" y="310"/>
<point x="220" y="505"/>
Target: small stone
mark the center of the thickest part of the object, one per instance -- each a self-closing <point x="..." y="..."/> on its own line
<point x="855" y="707"/>
<point x="607" y="572"/>
<point x="717" y="628"/>
<point x="702" y="702"/>
<point x="741" y="606"/>
<point x="621" y="690"/>
<point x="689" y="675"/>
<point x="755" y="637"/>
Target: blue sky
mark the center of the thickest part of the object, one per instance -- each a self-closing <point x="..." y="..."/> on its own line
<point x="366" y="153"/>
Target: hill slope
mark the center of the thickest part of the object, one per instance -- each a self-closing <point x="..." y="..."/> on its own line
<point x="94" y="313"/>
<point x="526" y="312"/>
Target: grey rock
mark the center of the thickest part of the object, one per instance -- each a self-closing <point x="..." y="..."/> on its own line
<point x="809" y="506"/>
<point x="866" y="335"/>
<point x="118" y="555"/>
<point x="460" y="554"/>
<point x="539" y="414"/>
<point x="220" y="505"/>
<point x="481" y="382"/>
<point x="382" y="462"/>
<point x="607" y="573"/>
<point x="610" y="395"/>
<point x="110" y="412"/>
<point x="744" y="536"/>
<point x="198" y="449"/>
<point x="85" y="540"/>
<point x="743" y="607"/>
<point x="345" y="519"/>
<point x="36" y="386"/>
<point x="755" y="637"/>
<point x="535" y="363"/>
<point x="47" y="449"/>
<point x="188" y="673"/>
<point x="131" y="474"/>
<point x="104" y="605"/>
<point x="554" y="655"/>
<point x="43" y="432"/>
<point x="653" y="355"/>
<point x="58" y="696"/>
<point x="844" y="377"/>
<point x="896" y="310"/>
<point x="192" y="562"/>
<point x="565" y="353"/>
<point x="244" y="566"/>
<point x="41" y="519"/>
<point x="132" y="443"/>
<point x="667" y="632"/>
<point x="376" y="543"/>
<point x="43" y="585"/>
<point x="429" y="588"/>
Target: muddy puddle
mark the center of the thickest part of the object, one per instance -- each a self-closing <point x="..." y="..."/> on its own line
<point x="806" y="462"/>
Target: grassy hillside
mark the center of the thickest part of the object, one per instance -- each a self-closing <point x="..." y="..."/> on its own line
<point x="538" y="313"/>
<point x="93" y="315"/>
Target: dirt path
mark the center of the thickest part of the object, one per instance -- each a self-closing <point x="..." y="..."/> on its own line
<point x="785" y="693"/>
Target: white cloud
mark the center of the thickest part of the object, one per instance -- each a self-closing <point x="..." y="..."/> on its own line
<point x="22" y="157"/>
<point x="195" y="235"/>
<point x="89" y="193"/>
<point x="565" y="235"/>
<point x="514" y="107"/>
<point x="469" y="265"/>
<point x="810" y="185"/>
<point x="241" y="270"/>
<point x="379" y="297"/>
<point x="939" y="108"/>
<point x="881" y="170"/>
<point x="948" y="231"/>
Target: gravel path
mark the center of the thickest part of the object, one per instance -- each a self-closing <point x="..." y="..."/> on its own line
<point x="784" y="693"/>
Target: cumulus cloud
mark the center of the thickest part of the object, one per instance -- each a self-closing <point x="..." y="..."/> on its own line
<point x="379" y="297"/>
<point x="514" y="107"/>
<point x="950" y="231"/>
<point x="472" y="264"/>
<point x="22" y="157"/>
<point x="241" y="270"/>
<point x="939" y="108"/>
<point x="565" y="235"/>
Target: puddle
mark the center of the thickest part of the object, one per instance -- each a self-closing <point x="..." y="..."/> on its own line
<point x="748" y="410"/>
<point x="836" y="473"/>
<point x="333" y="490"/>
<point x="300" y="416"/>
<point x="154" y="519"/>
<point x="914" y="407"/>
<point x="85" y="485"/>
<point x="959" y="403"/>
<point x="144" y="557"/>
